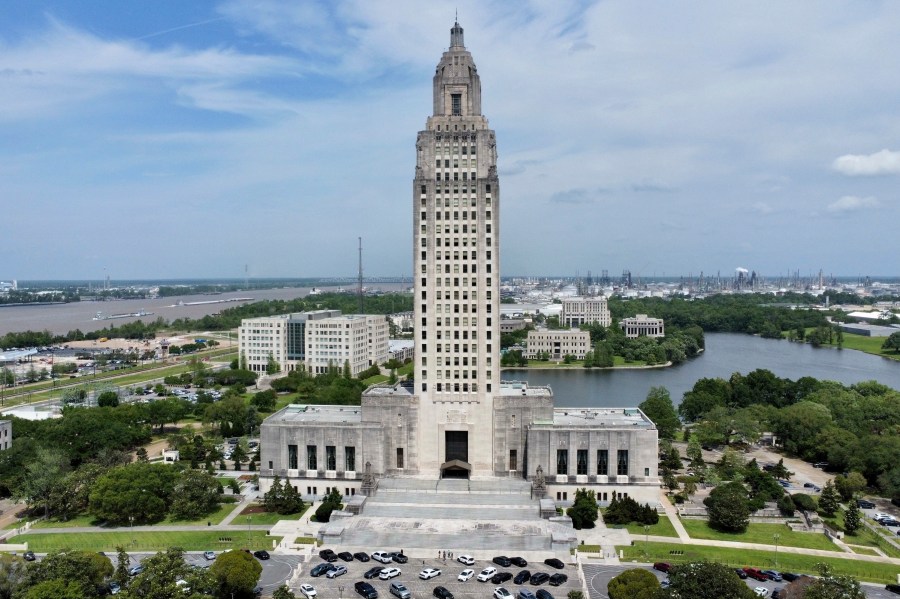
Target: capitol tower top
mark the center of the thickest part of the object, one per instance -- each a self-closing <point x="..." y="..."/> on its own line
<point x="457" y="86"/>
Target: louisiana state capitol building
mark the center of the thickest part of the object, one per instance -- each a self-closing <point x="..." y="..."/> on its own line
<point x="457" y="418"/>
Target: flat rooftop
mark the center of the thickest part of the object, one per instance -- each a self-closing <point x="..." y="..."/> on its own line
<point x="603" y="417"/>
<point x="296" y="413"/>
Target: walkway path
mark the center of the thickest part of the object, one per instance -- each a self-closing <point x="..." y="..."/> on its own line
<point x="672" y="514"/>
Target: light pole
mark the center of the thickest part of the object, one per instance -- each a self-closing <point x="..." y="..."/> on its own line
<point x="131" y="521"/>
<point x="776" y="536"/>
<point x="646" y="533"/>
<point x="248" y="531"/>
<point x="341" y="591"/>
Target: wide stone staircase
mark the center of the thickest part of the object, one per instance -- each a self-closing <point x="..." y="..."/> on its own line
<point x="451" y="514"/>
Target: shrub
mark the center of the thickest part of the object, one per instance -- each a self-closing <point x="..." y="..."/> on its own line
<point x="804" y="502"/>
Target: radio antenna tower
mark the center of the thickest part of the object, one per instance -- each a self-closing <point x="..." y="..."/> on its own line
<point x="359" y="284"/>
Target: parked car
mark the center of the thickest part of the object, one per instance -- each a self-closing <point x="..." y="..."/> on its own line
<point x="466" y="575"/>
<point x="893" y="588"/>
<point x="542" y="594"/>
<point x="773" y="575"/>
<point x="382" y="556"/>
<point x="502" y="561"/>
<point x="209" y="555"/>
<point x="662" y="566"/>
<point x="558" y="579"/>
<point x="336" y="571"/>
<point x="442" y="593"/>
<point x="501" y="593"/>
<point x="756" y="574"/>
<point x="398" y="589"/>
<point x="346" y="556"/>
<point x="466" y="559"/>
<point x="761" y="591"/>
<point x="864" y="505"/>
<point x="320" y="569"/>
<point x="525" y="594"/>
<point x="114" y="588"/>
<point x="328" y="555"/>
<point x="261" y="554"/>
<point x="822" y="465"/>
<point x="372" y="572"/>
<point x="308" y="591"/>
<point x="554" y="563"/>
<point x="522" y="577"/>
<point x="519" y="562"/>
<point x="397" y="556"/>
<point x="501" y="577"/>
<point x="486" y="574"/>
<point x="361" y="557"/>
<point x="429" y="573"/>
<point x="388" y="573"/>
<point x="741" y="574"/>
<point x="135" y="570"/>
<point x="789" y="576"/>
<point x="366" y="590"/>
<point x="29" y="556"/>
<point x="539" y="578"/>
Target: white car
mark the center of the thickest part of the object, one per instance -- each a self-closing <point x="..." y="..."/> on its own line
<point x="761" y="591"/>
<point x="501" y="593"/>
<point x="209" y="555"/>
<point x="382" y="556"/>
<point x="487" y="574"/>
<point x="465" y="575"/>
<point x="428" y="573"/>
<point x="308" y="590"/>
<point x="466" y="559"/>
<point x="389" y="573"/>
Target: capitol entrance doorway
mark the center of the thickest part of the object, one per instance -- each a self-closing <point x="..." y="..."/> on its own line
<point x="456" y="450"/>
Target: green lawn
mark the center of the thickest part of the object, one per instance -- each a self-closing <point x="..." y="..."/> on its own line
<point x="663" y="528"/>
<point x="869" y="345"/>
<point x="82" y="520"/>
<point x="864" y="551"/>
<point x="216" y="517"/>
<point x="378" y="378"/>
<point x="88" y="520"/>
<point x="738" y="558"/>
<point x="147" y="540"/>
<point x="761" y="533"/>
<point x="265" y="517"/>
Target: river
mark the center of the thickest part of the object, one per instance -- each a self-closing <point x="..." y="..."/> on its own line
<point x="725" y="354"/>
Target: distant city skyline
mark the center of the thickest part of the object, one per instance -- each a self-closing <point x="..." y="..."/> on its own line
<point x="187" y="140"/>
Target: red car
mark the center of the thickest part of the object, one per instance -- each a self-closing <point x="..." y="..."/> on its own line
<point x="662" y="566"/>
<point x="756" y="574"/>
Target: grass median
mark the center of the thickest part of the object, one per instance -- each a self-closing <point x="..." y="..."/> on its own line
<point x="215" y="540"/>
<point x="675" y="553"/>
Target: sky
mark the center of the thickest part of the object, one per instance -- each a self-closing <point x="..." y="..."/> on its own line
<point x="151" y="139"/>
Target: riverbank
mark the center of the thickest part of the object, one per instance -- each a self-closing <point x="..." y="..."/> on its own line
<point x="580" y="366"/>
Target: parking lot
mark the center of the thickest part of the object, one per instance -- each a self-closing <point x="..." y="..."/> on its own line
<point x="342" y="586"/>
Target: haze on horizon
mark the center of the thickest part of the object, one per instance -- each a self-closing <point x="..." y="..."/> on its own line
<point x="185" y="140"/>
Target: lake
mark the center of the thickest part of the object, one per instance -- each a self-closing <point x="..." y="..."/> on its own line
<point x="725" y="354"/>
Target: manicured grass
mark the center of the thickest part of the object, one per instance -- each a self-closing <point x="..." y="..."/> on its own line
<point x="663" y="528"/>
<point x="216" y="517"/>
<point x="405" y="369"/>
<point x="738" y="558"/>
<point x="81" y="520"/>
<point x="148" y="540"/>
<point x="864" y="536"/>
<point x="864" y="551"/>
<point x="257" y="517"/>
<point x="761" y="533"/>
<point x="378" y="378"/>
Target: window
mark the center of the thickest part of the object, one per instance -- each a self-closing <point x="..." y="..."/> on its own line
<point x="350" y="458"/>
<point x="399" y="457"/>
<point x="581" y="462"/>
<point x="603" y="462"/>
<point x="312" y="462"/>
<point x="562" y="461"/>
<point x="456" y="99"/>
<point x="292" y="457"/>
<point x="513" y="459"/>
<point x="330" y="457"/>
<point x="622" y="465"/>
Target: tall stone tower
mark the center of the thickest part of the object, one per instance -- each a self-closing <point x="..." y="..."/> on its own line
<point x="456" y="264"/>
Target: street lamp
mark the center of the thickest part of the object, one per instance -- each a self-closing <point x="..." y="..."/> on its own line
<point x="776" y="536"/>
<point x="131" y="521"/>
<point x="646" y="533"/>
<point x="341" y="591"/>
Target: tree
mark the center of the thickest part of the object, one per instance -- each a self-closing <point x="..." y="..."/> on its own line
<point x="892" y="342"/>
<point x="264" y="400"/>
<point x="238" y="456"/>
<point x="196" y="494"/>
<point x="659" y="409"/>
<point x="108" y="399"/>
<point x="727" y="507"/>
<point x="138" y="491"/>
<point x="829" y="586"/>
<point x="852" y="519"/>
<point x="122" y="561"/>
<point x="636" y="583"/>
<point x="779" y="470"/>
<point x="850" y="485"/>
<point x="272" y="367"/>
<point x="584" y="512"/>
<point x="829" y="500"/>
<point x="695" y="453"/>
<point x="273" y="498"/>
<point x="161" y="576"/>
<point x="235" y="572"/>
<point x="12" y="575"/>
<point x="141" y="454"/>
<point x="66" y="572"/>
<point x="44" y="476"/>
<point x="283" y="592"/>
<point x="706" y="580"/>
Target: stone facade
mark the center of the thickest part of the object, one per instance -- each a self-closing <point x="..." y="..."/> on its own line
<point x="6" y="434"/>
<point x="643" y="325"/>
<point x="558" y="344"/>
<point x="577" y="311"/>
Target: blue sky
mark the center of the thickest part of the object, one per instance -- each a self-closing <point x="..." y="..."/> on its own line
<point x="186" y="139"/>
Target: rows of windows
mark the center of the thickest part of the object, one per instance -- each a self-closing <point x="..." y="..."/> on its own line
<point x="581" y="462"/>
<point x="312" y="458"/>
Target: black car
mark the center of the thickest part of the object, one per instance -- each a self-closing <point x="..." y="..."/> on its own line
<point x="518" y="562"/>
<point x="398" y="557"/>
<point x="554" y="563"/>
<point x="501" y="577"/>
<point x="328" y="555"/>
<point x="361" y="556"/>
<point x="503" y="561"/>
<point x="373" y="572"/>
<point x="346" y="556"/>
<point x="442" y="593"/>
<point x="864" y="505"/>
<point x="261" y="554"/>
<point x="558" y="579"/>
<point x="789" y="576"/>
<point x="741" y="574"/>
<point x="539" y="578"/>
<point x="366" y="590"/>
<point x="522" y="577"/>
<point x="323" y="568"/>
<point x="894" y="588"/>
<point x="542" y="594"/>
<point x="28" y="556"/>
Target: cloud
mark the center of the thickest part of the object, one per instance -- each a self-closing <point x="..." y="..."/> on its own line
<point x="762" y="208"/>
<point x="852" y="204"/>
<point x="572" y="196"/>
<point x="884" y="162"/>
